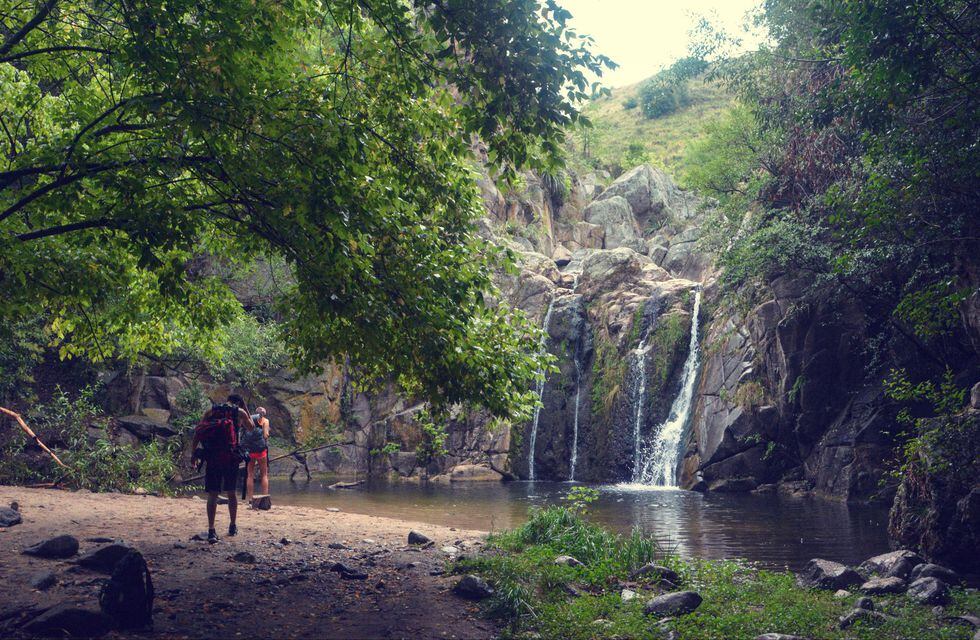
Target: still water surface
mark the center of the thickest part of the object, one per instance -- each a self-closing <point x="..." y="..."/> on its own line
<point x="774" y="531"/>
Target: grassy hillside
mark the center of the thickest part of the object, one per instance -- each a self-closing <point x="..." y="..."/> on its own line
<point x="660" y="141"/>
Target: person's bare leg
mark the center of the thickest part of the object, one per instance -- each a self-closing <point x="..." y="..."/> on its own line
<point x="212" y="508"/>
<point x="232" y="506"/>
<point x="264" y="471"/>
<point x="249" y="481"/>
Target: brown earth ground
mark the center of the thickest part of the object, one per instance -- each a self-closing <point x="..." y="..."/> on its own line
<point x="288" y="593"/>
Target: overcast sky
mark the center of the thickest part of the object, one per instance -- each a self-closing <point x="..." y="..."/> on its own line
<point x="644" y="35"/>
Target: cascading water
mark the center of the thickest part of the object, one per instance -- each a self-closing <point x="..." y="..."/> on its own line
<point x="578" y="396"/>
<point x="639" y="372"/>
<point x="657" y="463"/>
<point x="541" y="381"/>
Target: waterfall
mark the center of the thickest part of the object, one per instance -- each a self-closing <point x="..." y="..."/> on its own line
<point x="578" y="396"/>
<point x="656" y="464"/>
<point x="639" y="371"/>
<point x="541" y="381"/>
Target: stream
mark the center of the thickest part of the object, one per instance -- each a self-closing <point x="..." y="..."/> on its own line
<point x="773" y="531"/>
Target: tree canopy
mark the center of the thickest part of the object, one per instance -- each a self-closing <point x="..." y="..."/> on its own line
<point x="143" y="141"/>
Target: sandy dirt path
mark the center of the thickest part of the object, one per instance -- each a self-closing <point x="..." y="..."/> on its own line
<point x="288" y="593"/>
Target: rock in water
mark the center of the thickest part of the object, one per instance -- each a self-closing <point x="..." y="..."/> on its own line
<point x="567" y="561"/>
<point x="414" y="537"/>
<point x="263" y="503"/>
<point x="882" y="586"/>
<point x="673" y="604"/>
<point x="472" y="588"/>
<point x="63" y="546"/>
<point x="105" y="558"/>
<point x="929" y="591"/>
<point x="70" y="620"/>
<point x="9" y="517"/>
<point x="826" y="574"/>
<point x="935" y="571"/>
<point x="127" y="598"/>
<point x="43" y="581"/>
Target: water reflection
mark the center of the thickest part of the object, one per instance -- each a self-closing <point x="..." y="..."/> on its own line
<point x="774" y="531"/>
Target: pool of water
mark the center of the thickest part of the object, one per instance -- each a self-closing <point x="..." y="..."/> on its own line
<point x="774" y="531"/>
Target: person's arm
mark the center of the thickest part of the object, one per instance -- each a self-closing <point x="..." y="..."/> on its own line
<point x="265" y="428"/>
<point x="197" y="436"/>
<point x="244" y="420"/>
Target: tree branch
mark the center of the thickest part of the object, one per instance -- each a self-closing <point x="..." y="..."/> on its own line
<point x="37" y="52"/>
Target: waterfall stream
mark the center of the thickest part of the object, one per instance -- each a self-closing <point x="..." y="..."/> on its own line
<point x="578" y="396"/>
<point x="537" y="409"/>
<point x="656" y="464"/>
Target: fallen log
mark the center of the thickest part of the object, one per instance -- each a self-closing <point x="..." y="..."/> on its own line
<point x="285" y="455"/>
<point x="27" y="430"/>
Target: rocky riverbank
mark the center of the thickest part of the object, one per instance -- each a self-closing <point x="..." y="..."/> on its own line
<point x="279" y="577"/>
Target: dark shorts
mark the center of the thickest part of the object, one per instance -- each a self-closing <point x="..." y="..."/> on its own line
<point x="220" y="478"/>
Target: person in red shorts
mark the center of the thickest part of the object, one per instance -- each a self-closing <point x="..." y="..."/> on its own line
<point x="256" y="441"/>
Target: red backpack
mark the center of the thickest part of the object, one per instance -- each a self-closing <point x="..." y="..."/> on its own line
<point x="217" y="433"/>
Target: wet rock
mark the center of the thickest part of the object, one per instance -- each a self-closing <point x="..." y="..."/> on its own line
<point x="567" y="561"/>
<point x="244" y="557"/>
<point x="882" y="586"/>
<point x="673" y="604"/>
<point x="826" y="574"/>
<point x="885" y="563"/>
<point x="472" y="588"/>
<point x="657" y="572"/>
<point x="929" y="591"/>
<point x="70" y="620"/>
<point x="865" y="616"/>
<point x="104" y="559"/>
<point x="865" y="603"/>
<point x="414" y="537"/>
<point x="43" y="581"/>
<point x="63" y="546"/>
<point x="9" y="517"/>
<point x="935" y="571"/>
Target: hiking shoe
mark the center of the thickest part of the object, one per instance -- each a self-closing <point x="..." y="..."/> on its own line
<point x="212" y="536"/>
<point x="232" y="529"/>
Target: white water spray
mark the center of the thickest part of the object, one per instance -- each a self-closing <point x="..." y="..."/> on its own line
<point x="578" y="396"/>
<point x="537" y="410"/>
<point x="657" y="463"/>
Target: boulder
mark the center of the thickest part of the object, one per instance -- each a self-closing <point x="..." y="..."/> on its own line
<point x="145" y="427"/>
<point x="9" y="517"/>
<point x="567" y="561"/>
<point x="901" y="569"/>
<point x="104" y="559"/>
<point x="414" y="537"/>
<point x="883" y="564"/>
<point x="657" y="253"/>
<point x="43" y="581"/>
<point x="63" y="546"/>
<point x="657" y="572"/>
<point x="473" y="473"/>
<point x="928" y="591"/>
<point x="866" y="616"/>
<point x="883" y="586"/>
<point x="865" y="603"/>
<point x="68" y="619"/>
<point x="673" y="604"/>
<point x="472" y="588"/>
<point x="262" y="502"/>
<point x="616" y="218"/>
<point x="930" y="570"/>
<point x="827" y="574"/>
<point x="561" y="256"/>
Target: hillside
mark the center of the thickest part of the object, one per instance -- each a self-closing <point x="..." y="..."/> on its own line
<point x="663" y="139"/>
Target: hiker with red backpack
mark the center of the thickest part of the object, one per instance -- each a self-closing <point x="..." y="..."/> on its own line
<point x="218" y="433"/>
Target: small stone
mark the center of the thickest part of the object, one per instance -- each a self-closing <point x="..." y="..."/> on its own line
<point x="627" y="595"/>
<point x="140" y="491"/>
<point x="337" y="545"/>
<point x="567" y="561"/>
<point x="369" y="541"/>
<point x="68" y="619"/>
<point x="472" y="588"/>
<point x="673" y="604"/>
<point x="43" y="581"/>
<point x="244" y="557"/>
<point x="842" y="594"/>
<point x="865" y="603"/>
<point x="864" y="615"/>
<point x="882" y="586"/>
<point x="414" y="537"/>
<point x="180" y="545"/>
<point x="9" y="517"/>
<point x="935" y="571"/>
<point x="63" y="546"/>
<point x="333" y="509"/>
<point x="929" y="591"/>
<point x="284" y="541"/>
<point x="104" y="559"/>
<point x="826" y="574"/>
<point x="450" y="551"/>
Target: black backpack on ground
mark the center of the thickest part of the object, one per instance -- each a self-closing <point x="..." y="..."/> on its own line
<point x="127" y="597"/>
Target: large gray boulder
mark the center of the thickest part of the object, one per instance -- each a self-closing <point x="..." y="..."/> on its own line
<point x="929" y="570"/>
<point x="653" y="196"/>
<point x="888" y="563"/>
<point x="929" y="591"/>
<point x="882" y="586"/>
<point x="616" y="218"/>
<point x="9" y="517"/>
<point x="827" y="574"/>
<point x="673" y="604"/>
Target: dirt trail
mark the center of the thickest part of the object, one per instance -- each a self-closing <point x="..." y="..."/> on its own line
<point x="288" y="593"/>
